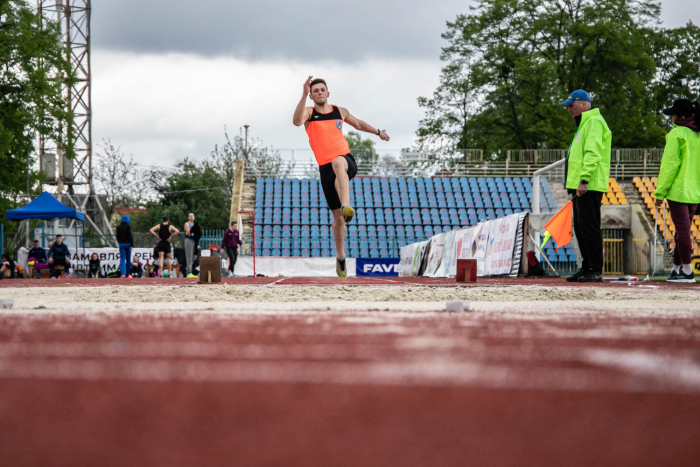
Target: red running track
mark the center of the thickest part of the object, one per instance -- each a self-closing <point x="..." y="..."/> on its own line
<point x="348" y="389"/>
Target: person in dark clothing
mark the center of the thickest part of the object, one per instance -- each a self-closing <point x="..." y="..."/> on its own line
<point x="38" y="253"/>
<point x="7" y="268"/>
<point x="37" y="258"/>
<point x="587" y="168"/>
<point x="679" y="183"/>
<point x="94" y="267"/>
<point x="165" y="234"/>
<point x="58" y="255"/>
<point x="196" y="231"/>
<point x="125" y="239"/>
<point x="230" y="243"/>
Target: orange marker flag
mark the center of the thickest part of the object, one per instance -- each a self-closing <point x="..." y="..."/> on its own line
<point x="559" y="227"/>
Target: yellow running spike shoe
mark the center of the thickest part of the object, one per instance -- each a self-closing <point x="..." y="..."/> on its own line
<point x="340" y="268"/>
<point x="348" y="213"/>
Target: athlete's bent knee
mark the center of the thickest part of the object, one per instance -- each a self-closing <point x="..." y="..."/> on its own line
<point x="340" y="164"/>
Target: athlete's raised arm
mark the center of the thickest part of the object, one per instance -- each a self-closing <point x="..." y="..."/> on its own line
<point x="302" y="113"/>
<point x="360" y="125"/>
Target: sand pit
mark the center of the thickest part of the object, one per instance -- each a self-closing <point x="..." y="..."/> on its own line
<point x="517" y="299"/>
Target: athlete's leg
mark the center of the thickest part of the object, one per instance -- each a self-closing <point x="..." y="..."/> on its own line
<point x="342" y="182"/>
<point x="160" y="262"/>
<point x="338" y="227"/>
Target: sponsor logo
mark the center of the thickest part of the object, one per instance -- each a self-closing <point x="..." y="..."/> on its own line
<point x="339" y="124"/>
<point x="381" y="268"/>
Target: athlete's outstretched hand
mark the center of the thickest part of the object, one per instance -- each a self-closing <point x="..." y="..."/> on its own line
<point x="384" y="136"/>
<point x="307" y="86"/>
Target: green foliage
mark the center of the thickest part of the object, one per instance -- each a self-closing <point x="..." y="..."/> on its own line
<point x="203" y="188"/>
<point x="510" y="63"/>
<point x="260" y="160"/>
<point x="34" y="65"/>
<point x="197" y="188"/>
<point x="362" y="149"/>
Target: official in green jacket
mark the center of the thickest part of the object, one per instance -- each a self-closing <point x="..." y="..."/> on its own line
<point x="679" y="182"/>
<point x="587" y="169"/>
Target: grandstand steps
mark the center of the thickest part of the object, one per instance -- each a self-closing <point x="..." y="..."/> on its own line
<point x="560" y="194"/>
<point x="633" y="197"/>
<point x="248" y="204"/>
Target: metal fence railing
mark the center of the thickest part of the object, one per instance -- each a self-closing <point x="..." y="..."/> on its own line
<point x="300" y="163"/>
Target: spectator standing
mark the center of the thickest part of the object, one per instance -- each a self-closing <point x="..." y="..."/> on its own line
<point x="59" y="255"/>
<point x="165" y="234"/>
<point x="7" y="267"/>
<point x="125" y="239"/>
<point x="587" y="169"/>
<point x="230" y="243"/>
<point x="679" y="182"/>
<point x="190" y="244"/>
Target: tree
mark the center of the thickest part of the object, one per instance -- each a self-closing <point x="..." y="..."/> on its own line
<point x="362" y="149"/>
<point x="34" y="66"/>
<point x="195" y="187"/>
<point x="678" y="62"/>
<point x="260" y="160"/>
<point x="510" y="63"/>
<point x="118" y="178"/>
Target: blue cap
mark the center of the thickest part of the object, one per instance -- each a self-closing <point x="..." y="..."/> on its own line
<point x="577" y="95"/>
<point x="125" y="218"/>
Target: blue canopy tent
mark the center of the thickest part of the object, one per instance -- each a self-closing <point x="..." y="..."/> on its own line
<point x="45" y="207"/>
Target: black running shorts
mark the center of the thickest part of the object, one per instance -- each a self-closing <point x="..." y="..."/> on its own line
<point x="328" y="181"/>
<point x="164" y="246"/>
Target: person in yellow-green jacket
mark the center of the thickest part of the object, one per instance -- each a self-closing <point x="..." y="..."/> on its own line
<point x="679" y="182"/>
<point x="586" y="172"/>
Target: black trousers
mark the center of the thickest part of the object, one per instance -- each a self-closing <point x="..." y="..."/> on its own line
<point x="57" y="262"/>
<point x="232" y="253"/>
<point x="587" y="229"/>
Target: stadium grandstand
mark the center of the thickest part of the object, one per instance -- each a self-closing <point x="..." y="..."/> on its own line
<point x="666" y="229"/>
<point x="293" y="220"/>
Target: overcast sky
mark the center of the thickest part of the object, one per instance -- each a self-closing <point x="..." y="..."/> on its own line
<point x="169" y="75"/>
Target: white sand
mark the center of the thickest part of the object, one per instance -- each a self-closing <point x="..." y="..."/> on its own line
<point x="519" y="300"/>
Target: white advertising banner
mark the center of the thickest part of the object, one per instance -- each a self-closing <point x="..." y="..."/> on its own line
<point x="419" y="256"/>
<point x="499" y="254"/>
<point x="480" y="238"/>
<point x="435" y="257"/>
<point x="280" y="266"/>
<point x="406" y="264"/>
<point x="448" y="241"/>
<point x="461" y="239"/>
<point x="109" y="258"/>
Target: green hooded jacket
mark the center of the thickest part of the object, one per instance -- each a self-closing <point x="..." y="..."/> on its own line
<point x="589" y="154"/>
<point x="679" y="175"/>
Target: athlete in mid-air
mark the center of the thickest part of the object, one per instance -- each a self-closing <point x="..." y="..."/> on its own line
<point x="324" y="125"/>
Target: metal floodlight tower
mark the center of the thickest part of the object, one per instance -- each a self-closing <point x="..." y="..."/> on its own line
<point x="73" y="16"/>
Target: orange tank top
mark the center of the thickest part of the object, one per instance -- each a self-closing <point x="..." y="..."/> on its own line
<point x="326" y="136"/>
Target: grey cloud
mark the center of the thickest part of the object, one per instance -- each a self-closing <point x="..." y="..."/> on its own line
<point x="309" y="31"/>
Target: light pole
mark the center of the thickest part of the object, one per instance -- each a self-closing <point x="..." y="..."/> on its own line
<point x="245" y="147"/>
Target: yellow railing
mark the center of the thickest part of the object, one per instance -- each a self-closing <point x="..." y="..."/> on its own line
<point x="612" y="256"/>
